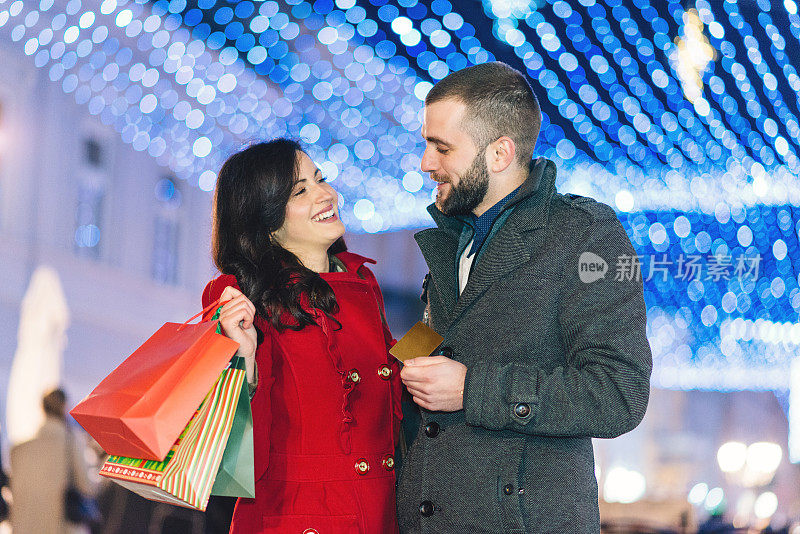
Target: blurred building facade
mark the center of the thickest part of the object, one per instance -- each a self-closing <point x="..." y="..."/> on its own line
<point x="129" y="251"/>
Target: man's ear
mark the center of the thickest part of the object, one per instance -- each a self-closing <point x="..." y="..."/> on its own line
<point x="501" y="154"/>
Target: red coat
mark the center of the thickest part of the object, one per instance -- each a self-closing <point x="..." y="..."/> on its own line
<point x="326" y="414"/>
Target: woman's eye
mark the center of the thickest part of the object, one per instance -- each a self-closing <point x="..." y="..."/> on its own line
<point x="300" y="192"/>
<point x="323" y="179"/>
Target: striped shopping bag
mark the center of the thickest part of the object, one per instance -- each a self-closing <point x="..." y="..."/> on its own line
<point x="185" y="477"/>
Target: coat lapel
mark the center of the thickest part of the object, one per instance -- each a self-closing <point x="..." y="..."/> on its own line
<point x="504" y="253"/>
<point x="513" y="243"/>
<point x="439" y="248"/>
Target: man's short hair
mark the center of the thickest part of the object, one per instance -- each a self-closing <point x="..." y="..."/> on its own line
<point x="499" y="101"/>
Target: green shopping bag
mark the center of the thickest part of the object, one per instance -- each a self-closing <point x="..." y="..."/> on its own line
<point x="236" y="477"/>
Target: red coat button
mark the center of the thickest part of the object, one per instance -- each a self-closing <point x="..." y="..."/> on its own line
<point x="353" y="376"/>
<point x="362" y="466"/>
<point x="388" y="462"/>
<point x="385" y="372"/>
<point x="310" y="531"/>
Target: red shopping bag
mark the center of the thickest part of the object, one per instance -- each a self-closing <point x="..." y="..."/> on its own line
<point x="140" y="409"/>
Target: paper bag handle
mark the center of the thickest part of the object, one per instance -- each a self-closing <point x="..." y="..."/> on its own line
<point x="203" y="312"/>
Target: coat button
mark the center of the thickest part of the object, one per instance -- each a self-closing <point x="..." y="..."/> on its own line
<point x="432" y="429"/>
<point x="447" y="352"/>
<point x="508" y="489"/>
<point x="385" y="372"/>
<point x="388" y="462"/>
<point x="522" y="410"/>
<point x="353" y="376"/>
<point x="362" y="466"/>
<point x="310" y="531"/>
<point x="426" y="508"/>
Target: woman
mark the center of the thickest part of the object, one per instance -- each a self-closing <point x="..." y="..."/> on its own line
<point x="309" y="320"/>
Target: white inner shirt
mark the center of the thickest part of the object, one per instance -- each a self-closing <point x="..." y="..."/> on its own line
<point x="464" y="267"/>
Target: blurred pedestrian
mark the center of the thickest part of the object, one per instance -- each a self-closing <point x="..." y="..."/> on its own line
<point x="4" y="508"/>
<point x="43" y="468"/>
<point x="716" y="524"/>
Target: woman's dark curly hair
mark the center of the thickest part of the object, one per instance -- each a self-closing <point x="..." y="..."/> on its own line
<point x="253" y="188"/>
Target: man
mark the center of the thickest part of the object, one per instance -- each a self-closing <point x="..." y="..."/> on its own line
<point x="543" y="348"/>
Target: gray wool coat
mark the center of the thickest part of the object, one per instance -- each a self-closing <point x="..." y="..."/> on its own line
<point x="552" y="361"/>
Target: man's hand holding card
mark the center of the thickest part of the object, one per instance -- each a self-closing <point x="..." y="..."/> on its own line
<point x="435" y="382"/>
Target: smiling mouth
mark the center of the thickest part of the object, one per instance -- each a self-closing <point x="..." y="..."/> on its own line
<point x="324" y="216"/>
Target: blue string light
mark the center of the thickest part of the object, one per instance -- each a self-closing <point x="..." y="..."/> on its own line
<point x="195" y="88"/>
<point x="708" y="169"/>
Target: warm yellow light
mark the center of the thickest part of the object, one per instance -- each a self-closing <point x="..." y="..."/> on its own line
<point x="732" y="456"/>
<point x="623" y="485"/>
<point x="766" y="504"/>
<point x="692" y="55"/>
<point x="763" y="459"/>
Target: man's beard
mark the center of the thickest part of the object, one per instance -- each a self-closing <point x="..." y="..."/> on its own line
<point x="471" y="190"/>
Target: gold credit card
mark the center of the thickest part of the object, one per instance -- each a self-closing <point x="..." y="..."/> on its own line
<point x="421" y="340"/>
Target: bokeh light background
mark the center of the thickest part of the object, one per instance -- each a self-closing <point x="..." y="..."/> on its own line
<point x="683" y="119"/>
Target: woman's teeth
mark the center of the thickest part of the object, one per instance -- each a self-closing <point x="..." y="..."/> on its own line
<point x="323" y="216"/>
